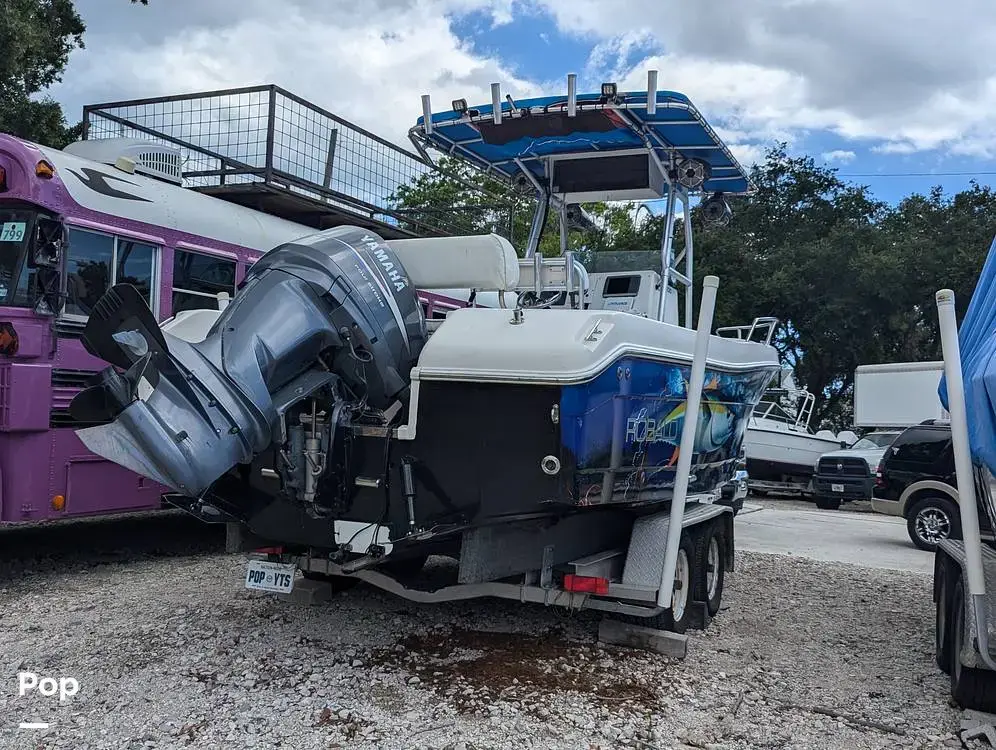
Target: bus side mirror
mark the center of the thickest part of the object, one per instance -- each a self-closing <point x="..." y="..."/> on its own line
<point x="48" y="294"/>
<point x="50" y="241"/>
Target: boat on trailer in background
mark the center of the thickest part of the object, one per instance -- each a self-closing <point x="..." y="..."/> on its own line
<point x="780" y="448"/>
<point x="542" y="443"/>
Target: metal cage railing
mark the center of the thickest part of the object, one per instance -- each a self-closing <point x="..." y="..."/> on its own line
<point x="263" y="137"/>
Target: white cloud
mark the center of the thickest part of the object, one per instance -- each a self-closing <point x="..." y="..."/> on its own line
<point x="365" y="61"/>
<point x="891" y="72"/>
<point x="839" y="155"/>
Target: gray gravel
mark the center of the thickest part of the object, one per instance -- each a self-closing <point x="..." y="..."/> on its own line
<point x="171" y="652"/>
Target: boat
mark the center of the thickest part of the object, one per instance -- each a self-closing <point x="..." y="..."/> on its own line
<point x="781" y="449"/>
<point x="323" y="412"/>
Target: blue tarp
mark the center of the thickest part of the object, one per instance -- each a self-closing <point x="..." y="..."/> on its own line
<point x="977" y="339"/>
<point x="676" y="125"/>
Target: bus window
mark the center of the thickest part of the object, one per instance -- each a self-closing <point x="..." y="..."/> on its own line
<point x="134" y="266"/>
<point x="96" y="262"/>
<point x="88" y="270"/>
<point x="198" y="278"/>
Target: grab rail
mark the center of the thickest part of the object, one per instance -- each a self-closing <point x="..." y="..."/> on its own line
<point x="764" y="323"/>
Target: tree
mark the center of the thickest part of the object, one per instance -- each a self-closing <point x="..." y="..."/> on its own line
<point x="37" y="37"/>
<point x="461" y="199"/>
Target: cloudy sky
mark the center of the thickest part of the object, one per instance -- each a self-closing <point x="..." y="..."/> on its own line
<point x="878" y="88"/>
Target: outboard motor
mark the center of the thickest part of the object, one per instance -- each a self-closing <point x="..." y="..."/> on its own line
<point x="323" y="330"/>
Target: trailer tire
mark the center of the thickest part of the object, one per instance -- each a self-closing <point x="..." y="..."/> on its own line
<point x="710" y="567"/>
<point x="971" y="688"/>
<point x="827" y="503"/>
<point x="945" y="575"/>
<point x="931" y="519"/>
<point x="666" y="620"/>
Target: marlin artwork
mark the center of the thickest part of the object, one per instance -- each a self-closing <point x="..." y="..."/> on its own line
<point x="653" y="395"/>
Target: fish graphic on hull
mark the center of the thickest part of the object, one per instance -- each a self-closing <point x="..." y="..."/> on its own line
<point x="653" y="415"/>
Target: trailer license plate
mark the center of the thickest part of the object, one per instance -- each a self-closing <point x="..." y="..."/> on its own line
<point x="262" y="575"/>
<point x="836" y="488"/>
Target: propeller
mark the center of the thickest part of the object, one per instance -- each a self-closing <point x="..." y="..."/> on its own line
<point x="110" y="392"/>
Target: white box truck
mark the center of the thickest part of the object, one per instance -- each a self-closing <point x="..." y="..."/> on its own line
<point x="898" y="394"/>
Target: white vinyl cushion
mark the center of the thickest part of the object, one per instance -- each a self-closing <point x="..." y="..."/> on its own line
<point x="486" y="261"/>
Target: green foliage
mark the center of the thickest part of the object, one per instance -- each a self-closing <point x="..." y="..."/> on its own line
<point x="851" y="279"/>
<point x="36" y="37"/>
<point x="460" y="199"/>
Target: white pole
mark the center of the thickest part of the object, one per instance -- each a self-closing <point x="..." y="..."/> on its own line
<point x="959" y="441"/>
<point x="686" y="448"/>
<point x="572" y="94"/>
<point x="496" y="103"/>
<point x="427" y="114"/>
<point x="651" y="92"/>
<point x="964" y="472"/>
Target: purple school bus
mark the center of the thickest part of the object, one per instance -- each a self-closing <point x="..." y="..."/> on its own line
<point x="70" y="227"/>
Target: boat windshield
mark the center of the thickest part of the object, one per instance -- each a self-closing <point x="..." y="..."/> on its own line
<point x="875" y="440"/>
<point x="16" y="231"/>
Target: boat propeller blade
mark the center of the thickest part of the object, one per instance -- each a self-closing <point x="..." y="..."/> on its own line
<point x="110" y="392"/>
<point x="122" y="328"/>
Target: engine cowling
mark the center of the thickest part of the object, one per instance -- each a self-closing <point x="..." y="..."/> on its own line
<point x="330" y="317"/>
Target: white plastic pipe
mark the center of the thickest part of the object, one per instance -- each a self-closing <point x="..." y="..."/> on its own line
<point x="651" y="92"/>
<point x="686" y="448"/>
<point x="427" y="114"/>
<point x="496" y="103"/>
<point x="964" y="471"/>
<point x="959" y="440"/>
<point x="572" y="94"/>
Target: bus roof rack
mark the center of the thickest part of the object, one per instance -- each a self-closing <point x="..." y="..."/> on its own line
<point x="268" y="149"/>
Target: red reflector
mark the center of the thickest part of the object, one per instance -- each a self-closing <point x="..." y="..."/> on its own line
<point x="586" y="584"/>
<point x="3" y="179"/>
<point x="269" y="550"/>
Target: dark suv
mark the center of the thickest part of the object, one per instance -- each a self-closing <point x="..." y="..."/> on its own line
<point x="916" y="480"/>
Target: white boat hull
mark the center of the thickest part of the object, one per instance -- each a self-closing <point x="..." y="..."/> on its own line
<point x="778" y="452"/>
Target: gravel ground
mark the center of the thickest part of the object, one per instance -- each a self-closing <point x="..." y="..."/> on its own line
<point x="171" y="652"/>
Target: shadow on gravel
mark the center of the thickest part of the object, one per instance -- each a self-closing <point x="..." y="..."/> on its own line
<point x="471" y="666"/>
<point x="108" y="540"/>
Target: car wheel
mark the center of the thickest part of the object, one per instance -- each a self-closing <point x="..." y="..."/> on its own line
<point x="932" y="519"/>
<point x="827" y="503"/>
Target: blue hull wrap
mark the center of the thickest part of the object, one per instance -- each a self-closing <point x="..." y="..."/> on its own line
<point x="624" y="427"/>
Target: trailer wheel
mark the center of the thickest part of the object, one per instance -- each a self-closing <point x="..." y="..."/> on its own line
<point x="971" y="688"/>
<point x="943" y="574"/>
<point x="678" y="617"/>
<point x="932" y="519"/>
<point x="710" y="567"/>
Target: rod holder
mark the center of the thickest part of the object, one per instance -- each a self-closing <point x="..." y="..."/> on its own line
<point x="686" y="447"/>
<point x="496" y="103"/>
<point x="427" y="114"/>
<point x="651" y="92"/>
<point x="572" y="94"/>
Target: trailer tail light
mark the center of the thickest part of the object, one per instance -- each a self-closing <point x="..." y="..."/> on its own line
<point x="3" y="180"/>
<point x="269" y="551"/>
<point x="586" y="584"/>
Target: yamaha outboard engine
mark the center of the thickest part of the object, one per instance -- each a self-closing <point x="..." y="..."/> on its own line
<point x="323" y="330"/>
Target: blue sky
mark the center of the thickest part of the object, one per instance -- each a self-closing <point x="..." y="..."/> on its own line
<point x="878" y="89"/>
